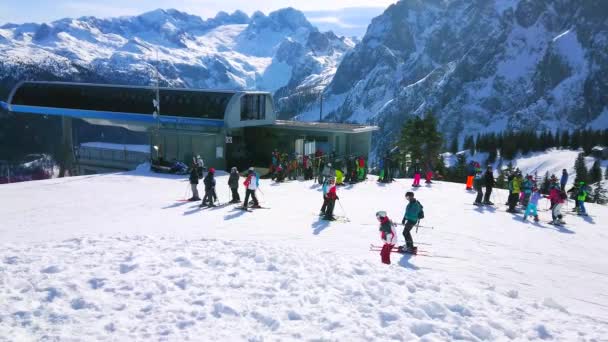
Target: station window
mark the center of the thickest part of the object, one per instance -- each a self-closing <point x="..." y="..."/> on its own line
<point x="253" y="107"/>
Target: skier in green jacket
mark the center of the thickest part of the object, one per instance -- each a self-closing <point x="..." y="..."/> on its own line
<point x="410" y="219"/>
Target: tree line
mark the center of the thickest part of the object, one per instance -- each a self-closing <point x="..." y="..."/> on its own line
<point x="509" y="144"/>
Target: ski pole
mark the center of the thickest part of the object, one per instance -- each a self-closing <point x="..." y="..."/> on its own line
<point x="344" y="211"/>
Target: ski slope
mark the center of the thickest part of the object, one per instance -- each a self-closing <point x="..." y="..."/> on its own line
<point x="116" y="257"/>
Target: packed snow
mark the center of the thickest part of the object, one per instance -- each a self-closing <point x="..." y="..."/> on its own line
<point x="118" y="257"/>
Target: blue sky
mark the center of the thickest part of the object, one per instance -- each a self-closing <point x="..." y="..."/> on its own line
<point x="21" y="11"/>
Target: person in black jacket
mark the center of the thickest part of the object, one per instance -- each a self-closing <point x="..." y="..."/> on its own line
<point x="209" y="182"/>
<point x="490" y="182"/>
<point x="233" y="183"/>
<point x="194" y="183"/>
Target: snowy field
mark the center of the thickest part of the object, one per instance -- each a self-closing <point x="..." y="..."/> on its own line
<point x="117" y="258"/>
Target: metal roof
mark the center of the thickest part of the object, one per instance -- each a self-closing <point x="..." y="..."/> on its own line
<point x="323" y="126"/>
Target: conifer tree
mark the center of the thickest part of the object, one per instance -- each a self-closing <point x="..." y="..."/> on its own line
<point x="454" y="145"/>
<point x="544" y="188"/>
<point x="600" y="195"/>
<point x="501" y="181"/>
<point x="580" y="168"/>
<point x="420" y="139"/>
<point x="564" y="141"/>
<point x="595" y="174"/>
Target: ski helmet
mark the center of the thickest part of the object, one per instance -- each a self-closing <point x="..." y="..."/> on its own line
<point x="409" y="194"/>
<point x="211" y="170"/>
<point x="381" y="214"/>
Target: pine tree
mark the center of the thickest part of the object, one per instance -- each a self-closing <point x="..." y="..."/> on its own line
<point x="501" y="180"/>
<point x="564" y="141"/>
<point x="460" y="170"/>
<point x="600" y="195"/>
<point x="606" y="175"/>
<point x="544" y="188"/>
<point x="454" y="145"/>
<point x="420" y="140"/>
<point x="595" y="174"/>
<point x="580" y="168"/>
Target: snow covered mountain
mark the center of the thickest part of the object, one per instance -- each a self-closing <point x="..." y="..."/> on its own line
<point x="131" y="263"/>
<point x="233" y="51"/>
<point x="479" y="65"/>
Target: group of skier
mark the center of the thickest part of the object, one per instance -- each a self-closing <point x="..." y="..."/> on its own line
<point x="411" y="217"/>
<point x="525" y="191"/>
<point x="251" y="184"/>
<point x="522" y="191"/>
<point x="319" y="165"/>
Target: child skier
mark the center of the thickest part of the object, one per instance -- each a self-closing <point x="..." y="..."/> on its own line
<point x="581" y="197"/>
<point x="532" y="204"/>
<point x="410" y="219"/>
<point x="233" y="183"/>
<point x="209" y="182"/>
<point x="388" y="236"/>
<point x="251" y="184"/>
<point x="557" y="198"/>
<point x="325" y="189"/>
<point x="332" y="196"/>
<point x="416" y="168"/>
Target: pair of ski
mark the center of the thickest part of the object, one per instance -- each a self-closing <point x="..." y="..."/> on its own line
<point x="397" y="249"/>
<point x="250" y="209"/>
<point x="337" y="218"/>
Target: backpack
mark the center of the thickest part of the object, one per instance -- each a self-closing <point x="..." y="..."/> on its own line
<point x="421" y="212"/>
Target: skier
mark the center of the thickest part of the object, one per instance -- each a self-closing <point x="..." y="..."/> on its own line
<point x="326" y="173"/>
<point x="209" y="182"/>
<point x="410" y="219"/>
<point x="428" y="176"/>
<point x="470" y="175"/>
<point x="280" y="174"/>
<point x="478" y="183"/>
<point x="388" y="236"/>
<point x="581" y="197"/>
<point x="573" y="195"/>
<point x="332" y="196"/>
<point x="416" y="169"/>
<point x="564" y="179"/>
<point x="200" y="165"/>
<point x="194" y="183"/>
<point x="325" y="189"/>
<point x="233" y="183"/>
<point x="532" y="204"/>
<point x="360" y="169"/>
<point x="514" y="189"/>
<point x="381" y="168"/>
<point x="339" y="177"/>
<point x="490" y="182"/>
<point x="251" y="184"/>
<point x="557" y="198"/>
<point x="526" y="188"/>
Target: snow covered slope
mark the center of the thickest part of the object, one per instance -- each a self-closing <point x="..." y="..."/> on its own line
<point x="116" y="257"/>
<point x="230" y="51"/>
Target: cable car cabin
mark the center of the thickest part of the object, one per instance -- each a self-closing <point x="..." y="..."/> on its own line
<point x="225" y="127"/>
